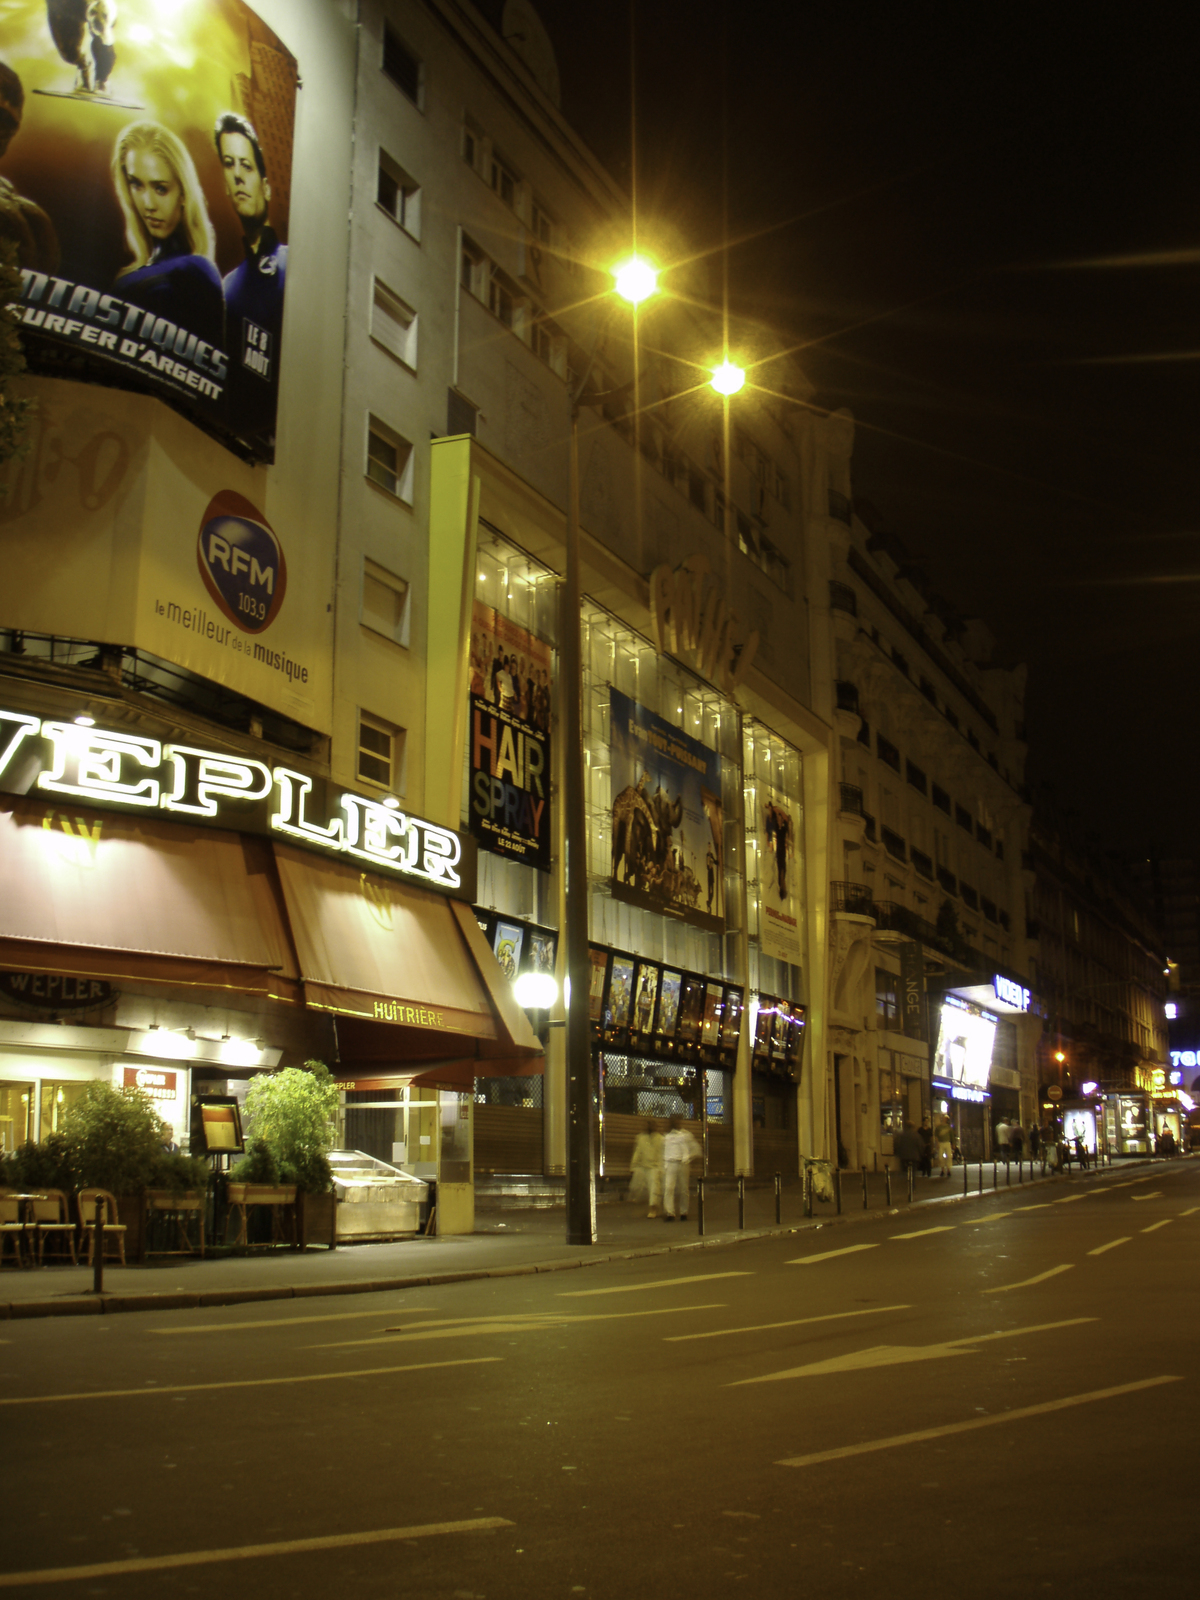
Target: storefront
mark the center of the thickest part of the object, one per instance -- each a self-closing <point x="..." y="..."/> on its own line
<point x="976" y="1073"/>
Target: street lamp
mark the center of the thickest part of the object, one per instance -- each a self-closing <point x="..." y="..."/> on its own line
<point x="635" y="280"/>
<point x="728" y="379"/>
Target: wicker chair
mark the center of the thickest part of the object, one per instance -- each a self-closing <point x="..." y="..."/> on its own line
<point x="114" y="1231"/>
<point x="49" y="1218"/>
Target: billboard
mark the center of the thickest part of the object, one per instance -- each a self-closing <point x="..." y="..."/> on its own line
<point x="966" y="1036"/>
<point x="667" y="823"/>
<point x="508" y="744"/>
<point x="779" y="874"/>
<point x="145" y="174"/>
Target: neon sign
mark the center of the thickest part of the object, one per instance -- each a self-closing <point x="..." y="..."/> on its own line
<point x="1011" y="993"/>
<point x="108" y="767"/>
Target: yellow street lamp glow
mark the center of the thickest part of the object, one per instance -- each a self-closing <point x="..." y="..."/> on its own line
<point x="636" y="280"/>
<point x="728" y="379"/>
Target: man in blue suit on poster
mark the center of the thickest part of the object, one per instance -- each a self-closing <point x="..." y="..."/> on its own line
<point x="254" y="289"/>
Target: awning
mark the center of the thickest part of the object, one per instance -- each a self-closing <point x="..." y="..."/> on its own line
<point x="128" y="898"/>
<point x="407" y="974"/>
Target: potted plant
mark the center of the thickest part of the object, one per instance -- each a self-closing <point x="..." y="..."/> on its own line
<point x="113" y="1140"/>
<point x="290" y="1116"/>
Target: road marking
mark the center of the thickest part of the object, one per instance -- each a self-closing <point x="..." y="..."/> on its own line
<point x="295" y="1322"/>
<point x="1154" y="1226"/>
<point x="1190" y="1212"/>
<point x="895" y="1355"/>
<point x="975" y="1422"/>
<point x="828" y="1255"/>
<point x="767" y="1327"/>
<point x="659" y="1283"/>
<point x="1111" y="1245"/>
<point x="1103" y="1189"/>
<point x="992" y="1216"/>
<point x="1042" y="1205"/>
<point x="246" y="1552"/>
<point x="1026" y="1283"/>
<point x="526" y="1322"/>
<point x="1069" y="1200"/>
<point x="923" y="1233"/>
<point x="237" y="1383"/>
<point x="1155" y="1194"/>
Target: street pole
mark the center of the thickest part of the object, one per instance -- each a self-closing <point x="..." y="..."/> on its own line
<point x="581" y="1172"/>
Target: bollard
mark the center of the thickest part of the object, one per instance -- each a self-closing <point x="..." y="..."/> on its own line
<point x="1020" y="1169"/>
<point x="837" y="1188"/>
<point x="778" y="1198"/>
<point x="981" y="1177"/>
<point x="887" y="1185"/>
<point x="1007" y="1174"/>
<point x="700" y="1205"/>
<point x="806" y="1192"/>
<point x="98" y="1259"/>
<point x="966" y="1176"/>
<point x="993" y="1172"/>
<point x="909" y="1170"/>
<point x="741" y="1200"/>
<point x="864" y="1177"/>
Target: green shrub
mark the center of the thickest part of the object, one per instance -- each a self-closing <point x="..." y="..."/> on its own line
<point x="113" y="1139"/>
<point x="42" y="1166"/>
<point x="258" y="1165"/>
<point x="178" y="1171"/>
<point x="293" y="1113"/>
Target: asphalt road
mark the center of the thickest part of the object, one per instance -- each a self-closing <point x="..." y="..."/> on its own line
<point x="972" y="1400"/>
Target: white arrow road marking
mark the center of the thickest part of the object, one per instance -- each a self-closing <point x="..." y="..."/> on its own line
<point x="1155" y="1194"/>
<point x="1026" y="1283"/>
<point x="1155" y="1226"/>
<point x="246" y="1552"/>
<point x="819" y="1456"/>
<point x="767" y="1327"/>
<point x="659" y="1283"/>
<point x="923" y="1233"/>
<point x="895" y="1355"/>
<point x="1111" y="1245"/>
<point x="828" y="1255"/>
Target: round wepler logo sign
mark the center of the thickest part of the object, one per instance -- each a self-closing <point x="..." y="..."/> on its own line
<point x="241" y="562"/>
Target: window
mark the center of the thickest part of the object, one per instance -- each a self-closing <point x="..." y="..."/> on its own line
<point x="941" y="799"/>
<point x="887" y="997"/>
<point x="963" y="817"/>
<point x="501" y="300"/>
<point x="401" y="66"/>
<point x="389" y="460"/>
<point x="901" y="661"/>
<point x="380" y="752"/>
<point x="503" y="181"/>
<point x="472" y="147"/>
<point x="394" y="325"/>
<point x="542" y="223"/>
<point x="886" y="751"/>
<point x="914" y="775"/>
<point x="384" y="603"/>
<point x="549" y="344"/>
<point x="473" y="271"/>
<point x="399" y="194"/>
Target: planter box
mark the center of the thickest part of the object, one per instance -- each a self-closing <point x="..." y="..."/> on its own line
<point x="262" y="1194"/>
<point x="187" y="1209"/>
<point x="316" y="1219"/>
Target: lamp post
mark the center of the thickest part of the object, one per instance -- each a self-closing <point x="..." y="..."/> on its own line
<point x="634" y="281"/>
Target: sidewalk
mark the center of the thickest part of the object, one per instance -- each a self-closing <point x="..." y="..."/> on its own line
<point x="507" y="1242"/>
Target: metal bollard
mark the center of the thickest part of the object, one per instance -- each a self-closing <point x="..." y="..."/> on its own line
<point x="908" y="1169"/>
<point x="887" y="1186"/>
<point x="98" y="1259"/>
<point x="981" y="1177"/>
<point x="837" y="1188"/>
<point x="864" y="1178"/>
<point x="1007" y="1174"/>
<point x="1020" y="1169"/>
<point x="966" y="1177"/>
<point x="778" y="1197"/>
<point x="993" y="1172"/>
<point x="741" y="1200"/>
<point x="700" y="1205"/>
<point x="806" y="1192"/>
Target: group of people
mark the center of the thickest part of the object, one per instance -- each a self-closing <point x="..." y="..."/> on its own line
<point x="660" y="1168"/>
<point x="517" y="686"/>
<point x="918" y="1148"/>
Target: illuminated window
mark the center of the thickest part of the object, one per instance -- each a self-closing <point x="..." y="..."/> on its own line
<point x="389" y="460"/>
<point x="399" y="194"/>
<point x="401" y="65"/>
<point x="380" y="752"/>
<point x="384" y="603"/>
<point x="394" y="325"/>
<point x="887" y="996"/>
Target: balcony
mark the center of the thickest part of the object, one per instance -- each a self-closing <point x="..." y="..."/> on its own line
<point x="851" y="899"/>
<point x="947" y="880"/>
<point x="969" y="896"/>
<point x="846" y="716"/>
<point x="851" y="800"/>
<point x="870" y="829"/>
<point x="852" y="819"/>
<point x="839" y="506"/>
<point x="894" y="844"/>
<point x="843" y="607"/>
<point x="890" y="917"/>
<point x="923" y="863"/>
<point x="988" y="909"/>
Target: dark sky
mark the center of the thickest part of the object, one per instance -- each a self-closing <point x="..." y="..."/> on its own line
<point x="916" y="186"/>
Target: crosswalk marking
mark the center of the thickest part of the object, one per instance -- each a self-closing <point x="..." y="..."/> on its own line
<point x="659" y="1283"/>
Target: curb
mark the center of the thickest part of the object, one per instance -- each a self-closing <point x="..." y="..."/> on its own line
<point x="110" y="1305"/>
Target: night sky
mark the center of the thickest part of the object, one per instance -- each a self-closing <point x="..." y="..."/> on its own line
<point x="917" y="189"/>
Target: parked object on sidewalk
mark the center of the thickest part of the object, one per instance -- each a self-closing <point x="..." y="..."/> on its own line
<point x="820" y="1179"/>
<point x="50" y="1219"/>
<point x="12" y="1227"/>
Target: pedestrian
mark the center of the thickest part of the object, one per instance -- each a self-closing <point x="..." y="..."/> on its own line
<point x="907" y="1147"/>
<point x="1002" y="1134"/>
<point x="1035" y="1140"/>
<point x="1016" y="1141"/>
<point x="943" y="1137"/>
<point x="925" y="1134"/>
<point x="646" y="1168"/>
<point x="678" y="1149"/>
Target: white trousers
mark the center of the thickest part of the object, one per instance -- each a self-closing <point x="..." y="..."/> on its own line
<point x="675" y="1200"/>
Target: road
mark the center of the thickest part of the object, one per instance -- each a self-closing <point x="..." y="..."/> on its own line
<point x="977" y="1399"/>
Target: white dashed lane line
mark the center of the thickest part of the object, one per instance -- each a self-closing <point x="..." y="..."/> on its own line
<point x="828" y="1255"/>
<point x="1026" y="1283"/>
<point x="1111" y="1245"/>
<point x="923" y="1233"/>
<point x="1155" y="1226"/>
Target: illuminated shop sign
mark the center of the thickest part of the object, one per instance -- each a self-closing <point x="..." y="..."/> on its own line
<point x="1185" y="1058"/>
<point x="157" y="1084"/>
<point x="1011" y="993"/>
<point x="963" y="1058"/>
<point x="105" y="767"/>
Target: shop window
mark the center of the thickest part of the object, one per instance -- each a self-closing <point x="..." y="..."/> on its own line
<point x="380" y="753"/>
<point x="384" y="603"/>
<point x="399" y="194"/>
<point x="56" y="1100"/>
<point x="401" y="65"/>
<point x="16" y="1116"/>
<point x="389" y="460"/>
<point x="394" y="325"/>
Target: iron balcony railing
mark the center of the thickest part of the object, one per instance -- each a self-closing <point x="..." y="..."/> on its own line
<point x="842" y="598"/>
<point x="923" y="863"/>
<point x="854" y="897"/>
<point x="851" y="799"/>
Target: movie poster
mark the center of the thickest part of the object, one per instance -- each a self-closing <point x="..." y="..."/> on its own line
<point x="667" y="834"/>
<point x="145" y="178"/>
<point x="509" y="739"/>
<point x="779" y="885"/>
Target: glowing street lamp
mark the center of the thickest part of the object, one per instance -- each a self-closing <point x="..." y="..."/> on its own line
<point x="727" y="379"/>
<point x="635" y="280"/>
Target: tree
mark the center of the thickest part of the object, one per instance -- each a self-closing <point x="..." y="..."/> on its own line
<point x="114" y="1139"/>
<point x="293" y="1113"/>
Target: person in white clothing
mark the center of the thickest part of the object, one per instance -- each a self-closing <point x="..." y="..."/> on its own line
<point x="646" y="1168"/>
<point x="678" y="1149"/>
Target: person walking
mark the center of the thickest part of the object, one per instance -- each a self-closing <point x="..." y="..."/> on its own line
<point x="1002" y="1136"/>
<point x="925" y="1134"/>
<point x="907" y="1148"/>
<point x="943" y="1138"/>
<point x="1016" y="1141"/>
<point x="646" y="1168"/>
<point x="678" y="1149"/>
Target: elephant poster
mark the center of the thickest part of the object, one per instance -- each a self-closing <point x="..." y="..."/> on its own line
<point x="667" y="822"/>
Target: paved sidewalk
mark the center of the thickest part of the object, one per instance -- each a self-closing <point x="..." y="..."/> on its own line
<point x="510" y="1241"/>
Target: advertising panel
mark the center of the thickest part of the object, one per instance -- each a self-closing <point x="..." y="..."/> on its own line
<point x="509" y="739"/>
<point x="147" y="167"/>
<point x="666" y="818"/>
<point x="779" y="877"/>
<point x="966" y="1036"/>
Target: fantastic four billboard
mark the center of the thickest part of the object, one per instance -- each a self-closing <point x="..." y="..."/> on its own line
<point x="145" y="175"/>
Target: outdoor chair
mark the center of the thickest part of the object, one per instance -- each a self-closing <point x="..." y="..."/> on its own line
<point x="12" y="1228"/>
<point x="114" y="1231"/>
<point x="49" y="1218"/>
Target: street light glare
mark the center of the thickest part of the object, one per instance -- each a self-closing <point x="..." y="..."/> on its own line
<point x="636" y="280"/>
<point x="728" y="379"/>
